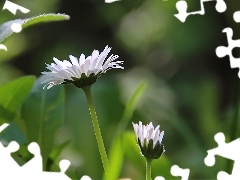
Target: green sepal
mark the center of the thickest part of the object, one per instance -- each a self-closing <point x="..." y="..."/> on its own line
<point x="158" y="150"/>
<point x="149" y="152"/>
<point x="83" y="81"/>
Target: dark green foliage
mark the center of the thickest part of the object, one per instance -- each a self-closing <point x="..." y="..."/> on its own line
<point x="43" y="115"/>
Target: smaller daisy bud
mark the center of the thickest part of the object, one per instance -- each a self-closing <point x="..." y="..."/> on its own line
<point x="149" y="140"/>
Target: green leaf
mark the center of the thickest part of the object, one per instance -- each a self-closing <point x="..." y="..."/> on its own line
<point x="42" y="113"/>
<point x="12" y="96"/>
<point x="6" y="31"/>
<point x="116" y="153"/>
<point x="45" y="18"/>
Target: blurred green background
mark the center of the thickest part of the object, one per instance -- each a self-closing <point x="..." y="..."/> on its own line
<point x="191" y="93"/>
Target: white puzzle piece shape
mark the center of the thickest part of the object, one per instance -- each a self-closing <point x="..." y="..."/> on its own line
<point x="159" y="178"/>
<point x="3" y="47"/>
<point x="177" y="171"/>
<point x="222" y="51"/>
<point x="3" y="126"/>
<point x="236" y="16"/>
<point x="227" y="150"/>
<point x="10" y="169"/>
<point x="182" y="9"/>
<point x="12" y="7"/>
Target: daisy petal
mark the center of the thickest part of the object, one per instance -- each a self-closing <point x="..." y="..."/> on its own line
<point x="70" y="71"/>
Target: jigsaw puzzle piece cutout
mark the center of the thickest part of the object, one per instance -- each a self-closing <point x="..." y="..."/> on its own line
<point x="182" y="6"/>
<point x="63" y="164"/>
<point x="9" y="168"/>
<point x="225" y="176"/>
<point x="8" y="163"/>
<point x="222" y="51"/>
<point x="12" y="7"/>
<point x="221" y="6"/>
<point x="5" y="125"/>
<point x="16" y="27"/>
<point x="234" y="175"/>
<point x="111" y="1"/>
<point x="236" y="16"/>
<point x="177" y="171"/>
<point x="34" y="165"/>
<point x="210" y="158"/>
<point x="88" y="178"/>
<point x="3" y="47"/>
<point x="159" y="178"/>
<point x="227" y="150"/>
<point x="34" y="168"/>
<point x="182" y="11"/>
<point x="54" y="175"/>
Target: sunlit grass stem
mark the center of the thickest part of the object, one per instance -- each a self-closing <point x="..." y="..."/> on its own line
<point x="87" y="90"/>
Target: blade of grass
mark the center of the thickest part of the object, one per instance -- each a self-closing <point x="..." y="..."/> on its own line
<point x="116" y="153"/>
<point x="235" y="124"/>
<point x="132" y="104"/>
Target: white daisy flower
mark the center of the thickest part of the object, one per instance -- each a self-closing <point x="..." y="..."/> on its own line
<point x="81" y="72"/>
<point x="149" y="140"/>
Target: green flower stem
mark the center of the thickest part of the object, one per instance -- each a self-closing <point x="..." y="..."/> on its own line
<point x="148" y="169"/>
<point x="87" y="90"/>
